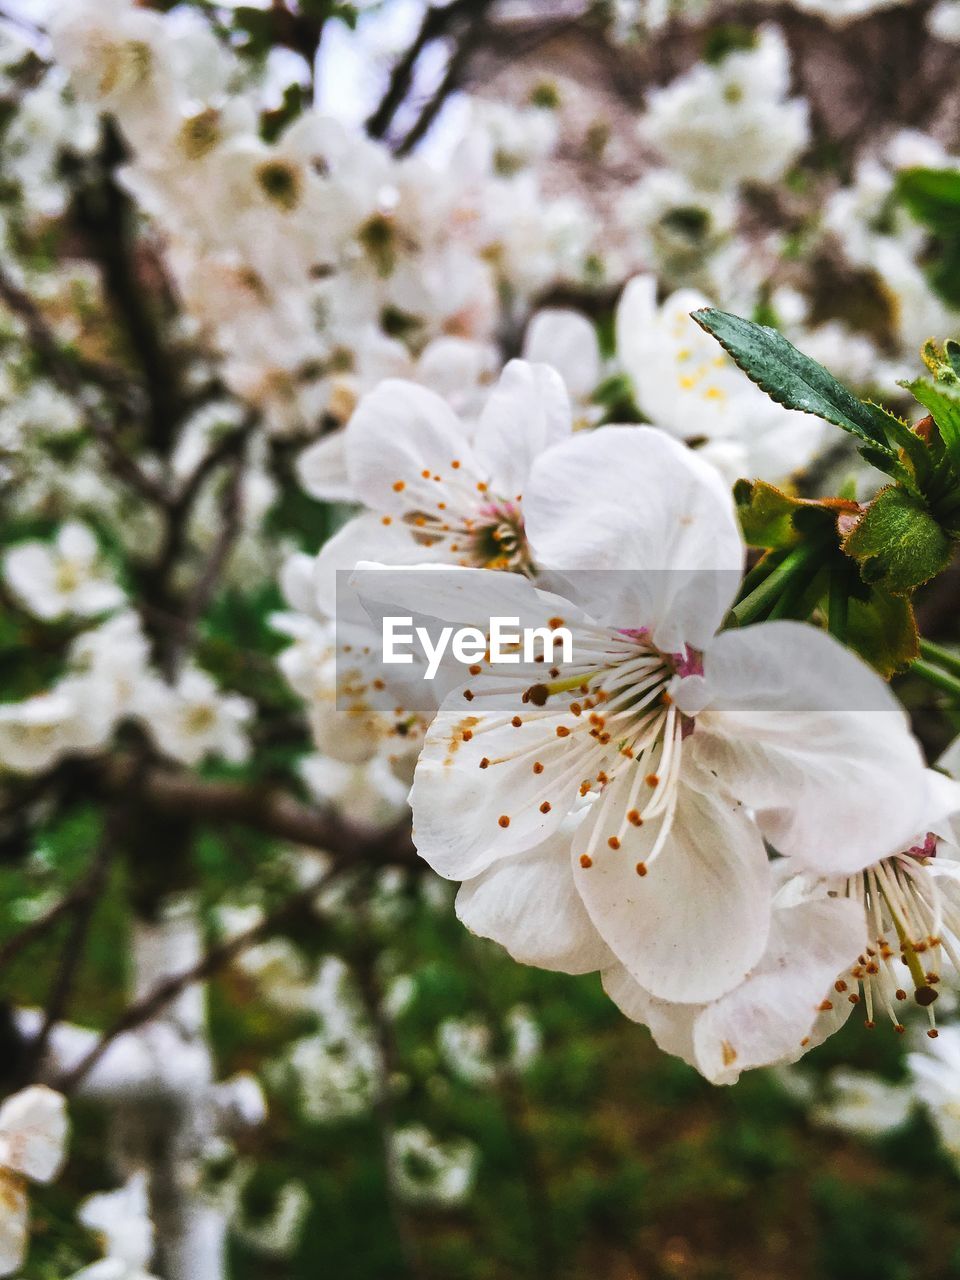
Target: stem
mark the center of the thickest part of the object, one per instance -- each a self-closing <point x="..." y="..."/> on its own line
<point x="760" y="572"/>
<point x="838" y="605"/>
<point x="941" y="657"/>
<point x="759" y="601"/>
<point x="939" y="679"/>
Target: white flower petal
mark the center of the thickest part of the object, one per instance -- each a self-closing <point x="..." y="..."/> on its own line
<point x="806" y="734"/>
<point x="14" y="1217"/>
<point x="528" y="904"/>
<point x="694" y="925"/>
<point x="567" y="341"/>
<point x="77" y="542"/>
<point x="462" y="596"/>
<point x="671" y="1025"/>
<point x="768" y="1018"/>
<point x="650" y="526"/>
<point x="526" y="412"/>
<point x="363" y="538"/>
<point x="398" y="431"/>
<point x="466" y="814"/>
<point x="33" y="1133"/>
<point x="322" y="469"/>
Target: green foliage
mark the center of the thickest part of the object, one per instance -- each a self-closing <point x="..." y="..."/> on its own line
<point x="882" y="628"/>
<point x="728" y="37"/>
<point x="876" y="623"/>
<point x="797" y="382"/>
<point x="942" y="399"/>
<point x="933" y="197"/>
<point x="776" y="521"/>
<point x="897" y="543"/>
<point x="867" y="1231"/>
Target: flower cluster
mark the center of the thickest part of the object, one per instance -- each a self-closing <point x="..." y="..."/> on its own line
<point x="611" y="813"/>
<point x="281" y="357"/>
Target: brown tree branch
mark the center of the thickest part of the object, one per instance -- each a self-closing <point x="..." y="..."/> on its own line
<point x="437" y="21"/>
<point x="264" y="808"/>
<point x="105" y="217"/>
<point x="68" y="376"/>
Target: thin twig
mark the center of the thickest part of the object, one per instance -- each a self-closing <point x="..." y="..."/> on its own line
<point x="452" y="80"/>
<point x="105" y="217"/>
<point x="434" y="23"/>
<point x="153" y="1004"/>
<point x="231" y="526"/>
<point x="71" y="957"/>
<point x="67" y="375"/>
<point x="36" y="929"/>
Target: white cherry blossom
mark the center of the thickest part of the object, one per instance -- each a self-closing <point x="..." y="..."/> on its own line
<point x="437" y="487"/>
<point x="429" y="1171"/>
<point x="910" y="902"/>
<point x="687" y="385"/>
<point x="192" y="718"/>
<point x="876" y="940"/>
<point x="33" y="1138"/>
<point x="65" y="577"/>
<point x="693" y="748"/>
<point x="731" y="122"/>
<point x="38" y="732"/>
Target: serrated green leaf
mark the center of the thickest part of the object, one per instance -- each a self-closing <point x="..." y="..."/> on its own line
<point x="883" y="630"/>
<point x="793" y="379"/>
<point x="942" y="401"/>
<point x="766" y="515"/>
<point x="897" y="543"/>
<point x="951" y="349"/>
<point x="915" y="449"/>
<point x="776" y="521"/>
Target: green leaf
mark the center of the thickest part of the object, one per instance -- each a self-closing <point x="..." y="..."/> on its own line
<point x="897" y="543"/>
<point x="794" y="380"/>
<point x="942" y="401"/>
<point x="914" y="448"/>
<point x="883" y="630"/>
<point x="766" y="515"/>
<point x="933" y="197"/>
<point x="776" y="521"/>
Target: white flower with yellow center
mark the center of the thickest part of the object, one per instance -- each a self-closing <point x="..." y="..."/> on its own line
<point x="437" y="488"/>
<point x="192" y="719"/>
<point x="911" y="904"/>
<point x="691" y="748"/>
<point x="686" y="385"/>
<point x="65" y="577"/>
<point x="71" y="717"/>
<point x="731" y="122"/>
<point x="33" y="1137"/>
